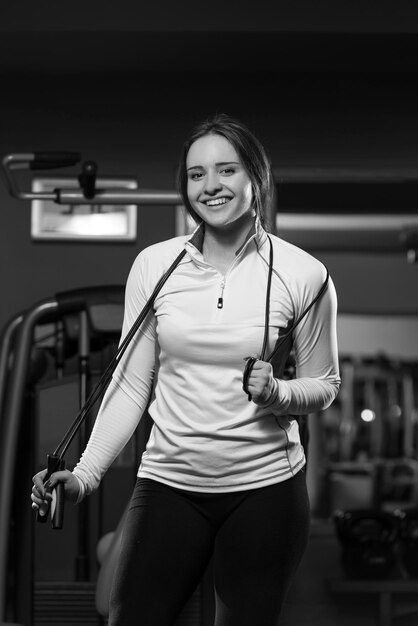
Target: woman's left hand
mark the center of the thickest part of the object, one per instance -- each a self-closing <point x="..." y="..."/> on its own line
<point x="261" y="382"/>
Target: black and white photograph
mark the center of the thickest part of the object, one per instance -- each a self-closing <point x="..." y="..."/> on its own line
<point x="209" y="313"/>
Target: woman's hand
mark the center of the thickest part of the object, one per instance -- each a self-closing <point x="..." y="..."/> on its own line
<point x="261" y="383"/>
<point x="41" y="493"/>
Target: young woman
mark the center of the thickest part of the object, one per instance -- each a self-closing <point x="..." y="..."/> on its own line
<point x="223" y="472"/>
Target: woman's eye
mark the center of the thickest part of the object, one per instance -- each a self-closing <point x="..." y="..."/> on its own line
<point x="195" y="175"/>
<point x="228" y="171"/>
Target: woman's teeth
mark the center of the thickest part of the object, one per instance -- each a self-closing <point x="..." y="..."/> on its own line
<point x="217" y="201"/>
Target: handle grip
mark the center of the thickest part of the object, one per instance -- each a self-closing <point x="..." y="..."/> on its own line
<point x="53" y="160"/>
<point x="250" y="360"/>
<point x="57" y="506"/>
<point x="55" y="464"/>
<point x="87" y="179"/>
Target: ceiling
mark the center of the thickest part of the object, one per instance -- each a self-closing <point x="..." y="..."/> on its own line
<point x="117" y="52"/>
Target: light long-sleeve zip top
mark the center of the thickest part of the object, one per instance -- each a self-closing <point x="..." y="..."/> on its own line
<point x="206" y="435"/>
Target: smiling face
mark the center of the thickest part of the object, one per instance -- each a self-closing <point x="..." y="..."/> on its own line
<point x="218" y="186"/>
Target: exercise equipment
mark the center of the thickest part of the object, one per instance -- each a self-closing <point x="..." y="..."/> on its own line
<point x="16" y="351"/>
<point x="367" y="540"/>
<point x="370" y="437"/>
<point x="13" y="163"/>
<point x="6" y="348"/>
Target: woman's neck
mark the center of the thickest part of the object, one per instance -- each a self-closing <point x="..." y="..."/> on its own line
<point x="220" y="244"/>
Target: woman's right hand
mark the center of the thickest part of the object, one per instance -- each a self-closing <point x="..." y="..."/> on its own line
<point x="41" y="493"/>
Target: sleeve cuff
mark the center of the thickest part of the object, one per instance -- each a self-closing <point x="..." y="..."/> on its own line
<point x="82" y="489"/>
<point x="279" y="399"/>
<point x="273" y="397"/>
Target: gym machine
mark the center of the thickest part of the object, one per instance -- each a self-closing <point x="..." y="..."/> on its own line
<point x="81" y="316"/>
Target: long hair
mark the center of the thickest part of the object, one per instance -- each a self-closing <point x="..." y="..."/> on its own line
<point x="251" y="153"/>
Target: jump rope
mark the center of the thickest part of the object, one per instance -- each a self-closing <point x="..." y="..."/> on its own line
<point x="56" y="461"/>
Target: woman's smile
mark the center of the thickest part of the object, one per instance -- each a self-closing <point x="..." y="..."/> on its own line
<point x="216" y="201"/>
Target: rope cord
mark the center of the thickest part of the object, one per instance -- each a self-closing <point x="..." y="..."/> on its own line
<point x="105" y="378"/>
<point x="267" y="314"/>
<point x="250" y="361"/>
<point x="300" y="318"/>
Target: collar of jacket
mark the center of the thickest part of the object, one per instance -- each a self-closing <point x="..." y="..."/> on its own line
<point x="256" y="234"/>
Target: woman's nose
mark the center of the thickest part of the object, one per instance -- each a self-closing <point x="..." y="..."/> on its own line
<point x="212" y="183"/>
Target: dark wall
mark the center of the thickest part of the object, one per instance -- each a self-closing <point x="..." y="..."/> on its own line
<point x="134" y="124"/>
<point x="127" y="15"/>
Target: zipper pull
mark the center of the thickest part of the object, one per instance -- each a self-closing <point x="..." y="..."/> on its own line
<point x="220" y="304"/>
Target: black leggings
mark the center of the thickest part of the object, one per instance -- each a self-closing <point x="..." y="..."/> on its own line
<point x="256" y="538"/>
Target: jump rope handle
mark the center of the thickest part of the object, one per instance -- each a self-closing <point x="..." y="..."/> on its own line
<point x="55" y="464"/>
<point x="249" y="364"/>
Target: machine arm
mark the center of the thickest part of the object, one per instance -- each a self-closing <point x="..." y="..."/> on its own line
<point x="87" y="191"/>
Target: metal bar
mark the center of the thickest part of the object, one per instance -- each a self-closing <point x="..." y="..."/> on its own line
<point x="321" y="222"/>
<point x="8" y="335"/>
<point x="346" y="174"/>
<point x="10" y="432"/>
<point x="70" y="196"/>
<point x="15" y="161"/>
<point x="82" y="558"/>
<point x="408" y="407"/>
<point x="118" y="196"/>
